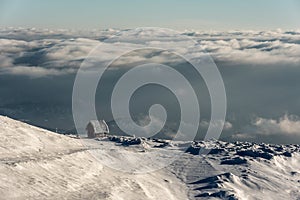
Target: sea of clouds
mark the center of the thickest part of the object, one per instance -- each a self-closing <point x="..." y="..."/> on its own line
<point x="260" y="70"/>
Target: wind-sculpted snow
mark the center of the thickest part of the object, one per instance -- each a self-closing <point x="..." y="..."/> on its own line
<point x="222" y="170"/>
<point x="244" y="149"/>
<point x="38" y="164"/>
<point x="244" y="170"/>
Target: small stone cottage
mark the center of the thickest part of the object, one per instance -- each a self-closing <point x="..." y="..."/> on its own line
<point x="97" y="128"/>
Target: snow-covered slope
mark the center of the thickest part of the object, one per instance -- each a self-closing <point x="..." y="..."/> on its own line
<point x="38" y="164"/>
<point x="241" y="171"/>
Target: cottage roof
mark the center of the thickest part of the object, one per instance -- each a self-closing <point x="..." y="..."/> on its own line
<point x="99" y="126"/>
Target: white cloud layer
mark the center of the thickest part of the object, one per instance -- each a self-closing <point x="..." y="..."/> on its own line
<point x="37" y="53"/>
<point x="218" y="123"/>
<point x="287" y="125"/>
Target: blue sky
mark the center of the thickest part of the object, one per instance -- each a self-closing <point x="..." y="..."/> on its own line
<point x="189" y="14"/>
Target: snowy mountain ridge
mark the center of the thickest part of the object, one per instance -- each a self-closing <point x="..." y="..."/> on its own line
<point x="39" y="164"/>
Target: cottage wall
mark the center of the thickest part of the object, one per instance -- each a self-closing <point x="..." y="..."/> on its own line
<point x="90" y="131"/>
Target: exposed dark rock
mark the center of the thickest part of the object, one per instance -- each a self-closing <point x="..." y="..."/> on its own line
<point x="234" y="161"/>
<point x="287" y="154"/>
<point x="193" y="150"/>
<point x="255" y="154"/>
<point x="216" y="151"/>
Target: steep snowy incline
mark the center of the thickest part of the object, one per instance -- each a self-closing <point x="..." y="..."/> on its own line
<point x="20" y="141"/>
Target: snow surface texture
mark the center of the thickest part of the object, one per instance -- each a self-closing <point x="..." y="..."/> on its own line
<point x="38" y="164"/>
